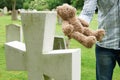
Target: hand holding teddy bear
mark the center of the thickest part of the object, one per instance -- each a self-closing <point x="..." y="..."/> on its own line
<point x="77" y="28"/>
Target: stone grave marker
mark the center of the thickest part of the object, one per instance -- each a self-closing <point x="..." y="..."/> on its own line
<point x="37" y="55"/>
<point x="5" y="10"/>
<point x="14" y="33"/>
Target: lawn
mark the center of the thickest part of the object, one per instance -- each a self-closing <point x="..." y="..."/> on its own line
<point x="88" y="55"/>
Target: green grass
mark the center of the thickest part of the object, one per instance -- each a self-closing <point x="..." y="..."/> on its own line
<point x="4" y="74"/>
<point x="87" y="61"/>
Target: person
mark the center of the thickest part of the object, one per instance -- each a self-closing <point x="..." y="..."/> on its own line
<point x="108" y="50"/>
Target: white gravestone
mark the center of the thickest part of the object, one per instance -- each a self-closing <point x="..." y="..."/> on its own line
<point x="36" y="55"/>
<point x="15" y="55"/>
<point x="57" y="64"/>
<point x="5" y="10"/>
<point x="14" y="33"/>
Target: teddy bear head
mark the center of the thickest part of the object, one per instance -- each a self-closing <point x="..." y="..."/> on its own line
<point x="66" y="11"/>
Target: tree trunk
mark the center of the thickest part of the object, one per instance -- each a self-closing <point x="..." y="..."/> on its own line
<point x="14" y="11"/>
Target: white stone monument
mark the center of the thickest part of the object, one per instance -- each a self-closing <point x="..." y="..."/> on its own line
<point x="5" y="10"/>
<point x="14" y="33"/>
<point x="37" y="55"/>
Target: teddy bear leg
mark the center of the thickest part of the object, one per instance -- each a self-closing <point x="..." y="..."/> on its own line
<point x="98" y="33"/>
<point x="87" y="41"/>
<point x="88" y="32"/>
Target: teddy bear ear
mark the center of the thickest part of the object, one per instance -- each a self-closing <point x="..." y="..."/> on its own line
<point x="58" y="8"/>
<point x="74" y="9"/>
<point x="65" y="4"/>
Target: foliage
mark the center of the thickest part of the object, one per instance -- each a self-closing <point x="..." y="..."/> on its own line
<point x="43" y="4"/>
<point x="54" y="3"/>
<point x="38" y="4"/>
<point x="77" y="3"/>
<point x="26" y="5"/>
<point x="8" y="4"/>
<point x="2" y="3"/>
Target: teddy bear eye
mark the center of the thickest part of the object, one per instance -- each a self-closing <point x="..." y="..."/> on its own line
<point x="66" y="8"/>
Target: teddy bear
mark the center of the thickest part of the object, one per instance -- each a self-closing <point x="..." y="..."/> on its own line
<point x="76" y="28"/>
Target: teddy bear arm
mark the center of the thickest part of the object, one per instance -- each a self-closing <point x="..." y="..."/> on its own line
<point x="67" y="28"/>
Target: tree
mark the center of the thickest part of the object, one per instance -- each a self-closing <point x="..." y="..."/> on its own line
<point x="13" y="5"/>
<point x="8" y="4"/>
<point x="14" y="11"/>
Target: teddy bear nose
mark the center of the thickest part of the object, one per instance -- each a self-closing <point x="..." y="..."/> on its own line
<point x="66" y="8"/>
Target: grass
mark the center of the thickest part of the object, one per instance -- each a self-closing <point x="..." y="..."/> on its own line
<point x="4" y="74"/>
<point x="88" y="55"/>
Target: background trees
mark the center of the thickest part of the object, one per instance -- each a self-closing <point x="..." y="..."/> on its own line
<point x="77" y="3"/>
<point x="13" y="5"/>
<point x="8" y="4"/>
<point x="39" y="4"/>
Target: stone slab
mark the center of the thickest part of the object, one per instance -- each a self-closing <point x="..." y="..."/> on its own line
<point x="15" y="55"/>
<point x="14" y="33"/>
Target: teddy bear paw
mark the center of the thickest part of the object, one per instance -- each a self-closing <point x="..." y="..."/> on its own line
<point x="100" y="34"/>
<point x="91" y="40"/>
<point x="68" y="29"/>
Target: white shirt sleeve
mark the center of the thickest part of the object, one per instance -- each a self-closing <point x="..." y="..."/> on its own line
<point x="88" y="10"/>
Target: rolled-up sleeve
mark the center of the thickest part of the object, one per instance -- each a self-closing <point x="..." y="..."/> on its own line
<point x="88" y="10"/>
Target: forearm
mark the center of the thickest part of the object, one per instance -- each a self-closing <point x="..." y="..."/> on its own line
<point x="88" y="10"/>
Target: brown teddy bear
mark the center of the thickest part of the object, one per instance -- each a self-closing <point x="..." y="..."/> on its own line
<point x="76" y="28"/>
